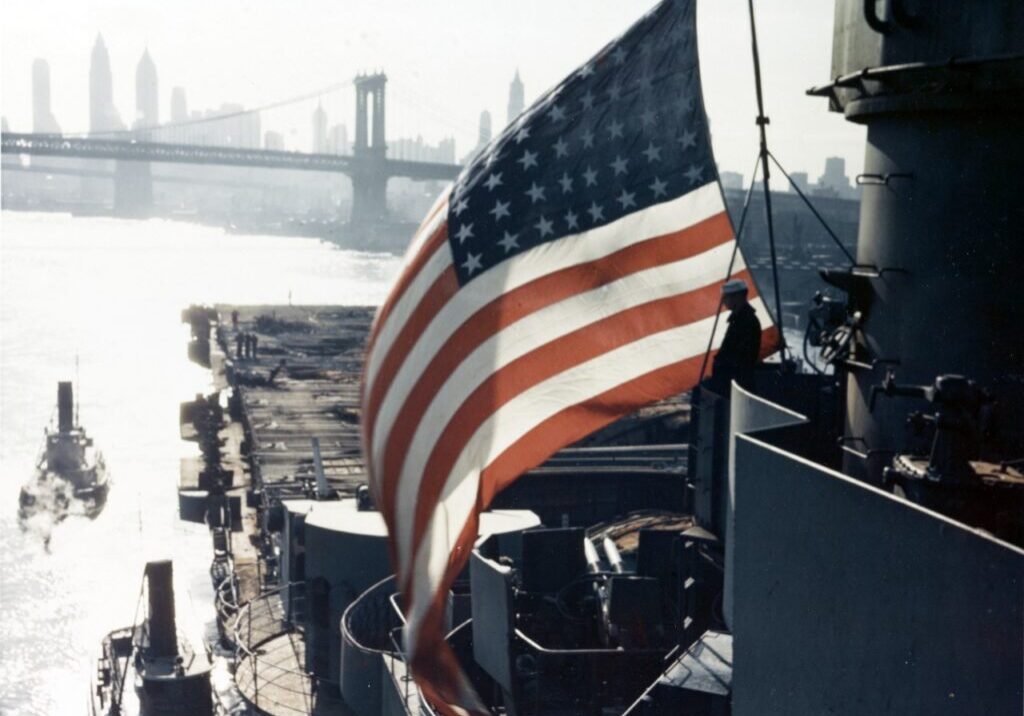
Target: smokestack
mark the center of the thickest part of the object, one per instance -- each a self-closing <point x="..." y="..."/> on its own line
<point x="163" y="639"/>
<point x="65" y="406"/>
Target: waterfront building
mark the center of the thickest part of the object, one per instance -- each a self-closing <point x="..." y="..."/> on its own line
<point x="801" y="181"/>
<point x="446" y="151"/>
<point x="419" y="151"/>
<point x="731" y="180"/>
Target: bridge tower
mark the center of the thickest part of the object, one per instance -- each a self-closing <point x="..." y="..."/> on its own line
<point x="369" y="176"/>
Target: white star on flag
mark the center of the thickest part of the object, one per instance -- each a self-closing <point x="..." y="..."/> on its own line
<point x="500" y="209"/>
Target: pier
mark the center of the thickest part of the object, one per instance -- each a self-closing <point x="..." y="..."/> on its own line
<point x="300" y="384"/>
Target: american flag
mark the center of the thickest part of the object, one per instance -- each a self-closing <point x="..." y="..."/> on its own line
<point x="570" y="276"/>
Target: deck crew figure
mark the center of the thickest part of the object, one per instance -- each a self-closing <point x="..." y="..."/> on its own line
<point x="741" y="346"/>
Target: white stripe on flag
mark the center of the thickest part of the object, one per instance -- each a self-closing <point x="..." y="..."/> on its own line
<point x="584" y="247"/>
<point x="388" y="331"/>
<point x="525" y="336"/>
<point x="517" y="417"/>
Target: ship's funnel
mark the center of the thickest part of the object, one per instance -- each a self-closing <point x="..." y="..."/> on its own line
<point x="65" y="406"/>
<point x="163" y="640"/>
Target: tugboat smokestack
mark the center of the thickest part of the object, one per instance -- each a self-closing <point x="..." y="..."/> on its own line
<point x="65" y="407"/>
<point x="163" y="640"/>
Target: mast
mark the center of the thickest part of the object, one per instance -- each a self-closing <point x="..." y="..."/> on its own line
<point x="762" y="122"/>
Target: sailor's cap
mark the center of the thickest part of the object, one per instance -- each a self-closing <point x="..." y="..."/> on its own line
<point x="736" y="285"/>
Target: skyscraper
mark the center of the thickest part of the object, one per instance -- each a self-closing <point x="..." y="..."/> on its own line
<point x="515" y="98"/>
<point x="43" y="121"/>
<point x="179" y="105"/>
<point x="483" y="138"/>
<point x="319" y="129"/>
<point x="485" y="129"/>
<point x="103" y="116"/>
<point x="337" y="142"/>
<point x="834" y="179"/>
<point x="147" y="94"/>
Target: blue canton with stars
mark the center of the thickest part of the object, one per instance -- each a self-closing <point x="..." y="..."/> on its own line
<point x="625" y="131"/>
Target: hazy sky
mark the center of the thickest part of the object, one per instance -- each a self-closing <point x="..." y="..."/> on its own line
<point x="446" y="61"/>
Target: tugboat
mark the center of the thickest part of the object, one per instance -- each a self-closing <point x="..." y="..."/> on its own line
<point x="70" y="469"/>
<point x="168" y="676"/>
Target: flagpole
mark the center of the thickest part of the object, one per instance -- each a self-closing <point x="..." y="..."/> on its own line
<point x="762" y="122"/>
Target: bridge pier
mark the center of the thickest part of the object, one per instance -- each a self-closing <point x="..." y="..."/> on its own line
<point x="133" y="188"/>
<point x="369" y="168"/>
<point x="369" y="198"/>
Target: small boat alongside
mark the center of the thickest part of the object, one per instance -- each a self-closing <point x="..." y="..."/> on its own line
<point x="152" y="669"/>
<point x="70" y="471"/>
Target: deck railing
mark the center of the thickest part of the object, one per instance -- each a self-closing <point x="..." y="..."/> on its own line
<point x="271" y="676"/>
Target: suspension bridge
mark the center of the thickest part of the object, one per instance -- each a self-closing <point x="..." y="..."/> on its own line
<point x="368" y="165"/>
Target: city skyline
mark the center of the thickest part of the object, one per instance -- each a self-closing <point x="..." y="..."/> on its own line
<point x="333" y="138"/>
<point x="326" y="138"/>
<point x="220" y="69"/>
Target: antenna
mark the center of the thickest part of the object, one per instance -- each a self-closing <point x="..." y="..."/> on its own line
<point x="762" y="122"/>
<point x="323" y="490"/>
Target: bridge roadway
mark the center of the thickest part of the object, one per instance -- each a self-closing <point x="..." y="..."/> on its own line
<point x="50" y="170"/>
<point x="93" y="148"/>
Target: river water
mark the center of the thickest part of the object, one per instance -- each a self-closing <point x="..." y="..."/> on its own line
<point x="111" y="292"/>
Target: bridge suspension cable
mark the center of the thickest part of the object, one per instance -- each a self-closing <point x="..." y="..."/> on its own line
<point x="406" y="95"/>
<point x="219" y="117"/>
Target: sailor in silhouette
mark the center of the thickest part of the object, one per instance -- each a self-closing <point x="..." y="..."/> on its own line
<point x="741" y="347"/>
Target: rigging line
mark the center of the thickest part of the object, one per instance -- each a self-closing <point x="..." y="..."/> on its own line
<point x="762" y="123"/>
<point x="218" y="118"/>
<point x="732" y="262"/>
<point x="814" y="211"/>
<point x="131" y="641"/>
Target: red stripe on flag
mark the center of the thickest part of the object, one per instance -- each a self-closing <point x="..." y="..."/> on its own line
<point x="435" y="243"/>
<point x="515" y="305"/>
<point x="571" y="424"/>
<point x="433" y="658"/>
<point x="446" y="285"/>
<point x="549" y="360"/>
